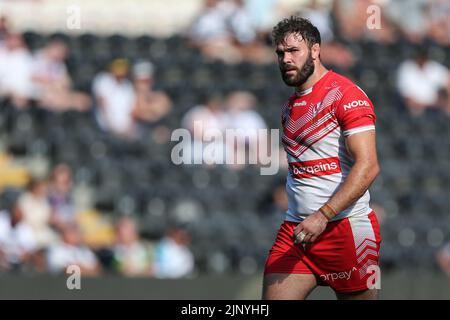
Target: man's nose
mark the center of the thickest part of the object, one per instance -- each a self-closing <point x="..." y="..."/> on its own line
<point x="287" y="58"/>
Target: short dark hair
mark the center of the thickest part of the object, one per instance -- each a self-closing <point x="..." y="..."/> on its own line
<point x="296" y="25"/>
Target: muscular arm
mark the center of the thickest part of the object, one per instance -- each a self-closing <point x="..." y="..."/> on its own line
<point x="362" y="147"/>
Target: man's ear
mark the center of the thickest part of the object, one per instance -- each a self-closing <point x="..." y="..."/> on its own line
<point x="315" y="51"/>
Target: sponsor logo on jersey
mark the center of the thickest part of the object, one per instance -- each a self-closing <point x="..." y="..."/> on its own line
<point x="344" y="275"/>
<point x="315" y="168"/>
<point x="300" y="104"/>
<point x="356" y="103"/>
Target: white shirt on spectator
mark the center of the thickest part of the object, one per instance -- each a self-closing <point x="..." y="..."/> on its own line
<point x="203" y="123"/>
<point x="16" y="241"/>
<point x="422" y="84"/>
<point x="118" y="99"/>
<point x="36" y="214"/>
<point x="61" y="255"/>
<point x="15" y="72"/>
<point x="212" y="23"/>
<point x="173" y="260"/>
<point x="48" y="69"/>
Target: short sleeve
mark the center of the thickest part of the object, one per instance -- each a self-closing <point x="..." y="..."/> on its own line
<point x="355" y="112"/>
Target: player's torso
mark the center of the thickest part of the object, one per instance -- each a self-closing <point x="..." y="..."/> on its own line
<point x="310" y="127"/>
<point x="315" y="145"/>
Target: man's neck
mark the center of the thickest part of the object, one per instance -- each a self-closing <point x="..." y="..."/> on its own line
<point x="319" y="72"/>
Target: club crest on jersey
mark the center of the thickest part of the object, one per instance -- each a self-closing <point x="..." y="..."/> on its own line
<point x="316" y="108"/>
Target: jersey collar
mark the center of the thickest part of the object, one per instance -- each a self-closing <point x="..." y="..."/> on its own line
<point x="309" y="90"/>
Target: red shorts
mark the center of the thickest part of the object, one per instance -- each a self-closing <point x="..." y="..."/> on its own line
<point x="344" y="257"/>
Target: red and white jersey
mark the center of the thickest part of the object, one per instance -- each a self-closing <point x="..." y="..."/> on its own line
<point x="315" y="124"/>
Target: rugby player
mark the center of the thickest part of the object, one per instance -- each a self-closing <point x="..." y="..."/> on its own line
<point x="330" y="235"/>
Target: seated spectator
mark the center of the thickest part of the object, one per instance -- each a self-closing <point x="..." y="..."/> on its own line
<point x="225" y="30"/>
<point x="210" y="31"/>
<point x="16" y="65"/>
<point x="203" y="121"/>
<point x="438" y="18"/>
<point x="37" y="212"/>
<point x="115" y="97"/>
<point x="17" y="241"/>
<point x="52" y="83"/>
<point x="248" y="41"/>
<point x="355" y="22"/>
<point x="414" y="28"/>
<point x="333" y="53"/>
<point x="173" y="258"/>
<point x="150" y="106"/>
<point x="241" y="116"/>
<point x="424" y="84"/>
<point x="72" y="251"/>
<point x="133" y="257"/>
<point x="60" y="197"/>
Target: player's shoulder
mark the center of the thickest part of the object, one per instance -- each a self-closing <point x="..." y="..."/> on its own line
<point x="344" y="83"/>
<point x="347" y="87"/>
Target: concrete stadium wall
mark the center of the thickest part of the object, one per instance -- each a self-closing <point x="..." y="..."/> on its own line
<point x="407" y="285"/>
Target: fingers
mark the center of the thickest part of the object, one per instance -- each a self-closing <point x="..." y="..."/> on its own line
<point x="313" y="238"/>
<point x="297" y="233"/>
<point x="302" y="237"/>
<point x="304" y="234"/>
<point x="299" y="238"/>
<point x="308" y="238"/>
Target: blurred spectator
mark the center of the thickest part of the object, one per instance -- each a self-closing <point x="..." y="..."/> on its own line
<point x="16" y="65"/>
<point x="52" y="83"/>
<point x="37" y="212"/>
<point x="333" y="53"/>
<point x="424" y="84"/>
<point x="114" y="96"/>
<point x="438" y="18"/>
<point x="4" y="29"/>
<point x="413" y="28"/>
<point x="60" y="197"/>
<point x="262" y="13"/>
<point x="17" y="241"/>
<point x="241" y="23"/>
<point x="225" y="30"/>
<point x="354" y="21"/>
<point x="133" y="257"/>
<point x="150" y="106"/>
<point x="241" y="116"/>
<point x="443" y="259"/>
<point x="204" y="120"/>
<point x="173" y="258"/>
<point x="72" y="251"/>
<point x="320" y="16"/>
<point x="210" y="31"/>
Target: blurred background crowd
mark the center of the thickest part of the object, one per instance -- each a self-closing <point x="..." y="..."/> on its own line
<point x="86" y="117"/>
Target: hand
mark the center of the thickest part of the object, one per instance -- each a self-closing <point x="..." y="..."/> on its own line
<point x="311" y="228"/>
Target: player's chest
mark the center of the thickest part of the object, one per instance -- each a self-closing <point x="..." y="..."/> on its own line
<point x="306" y="115"/>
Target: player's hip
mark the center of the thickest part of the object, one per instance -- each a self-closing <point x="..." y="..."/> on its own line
<point x="341" y="257"/>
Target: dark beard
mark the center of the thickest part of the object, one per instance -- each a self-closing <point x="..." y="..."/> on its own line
<point x="302" y="75"/>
